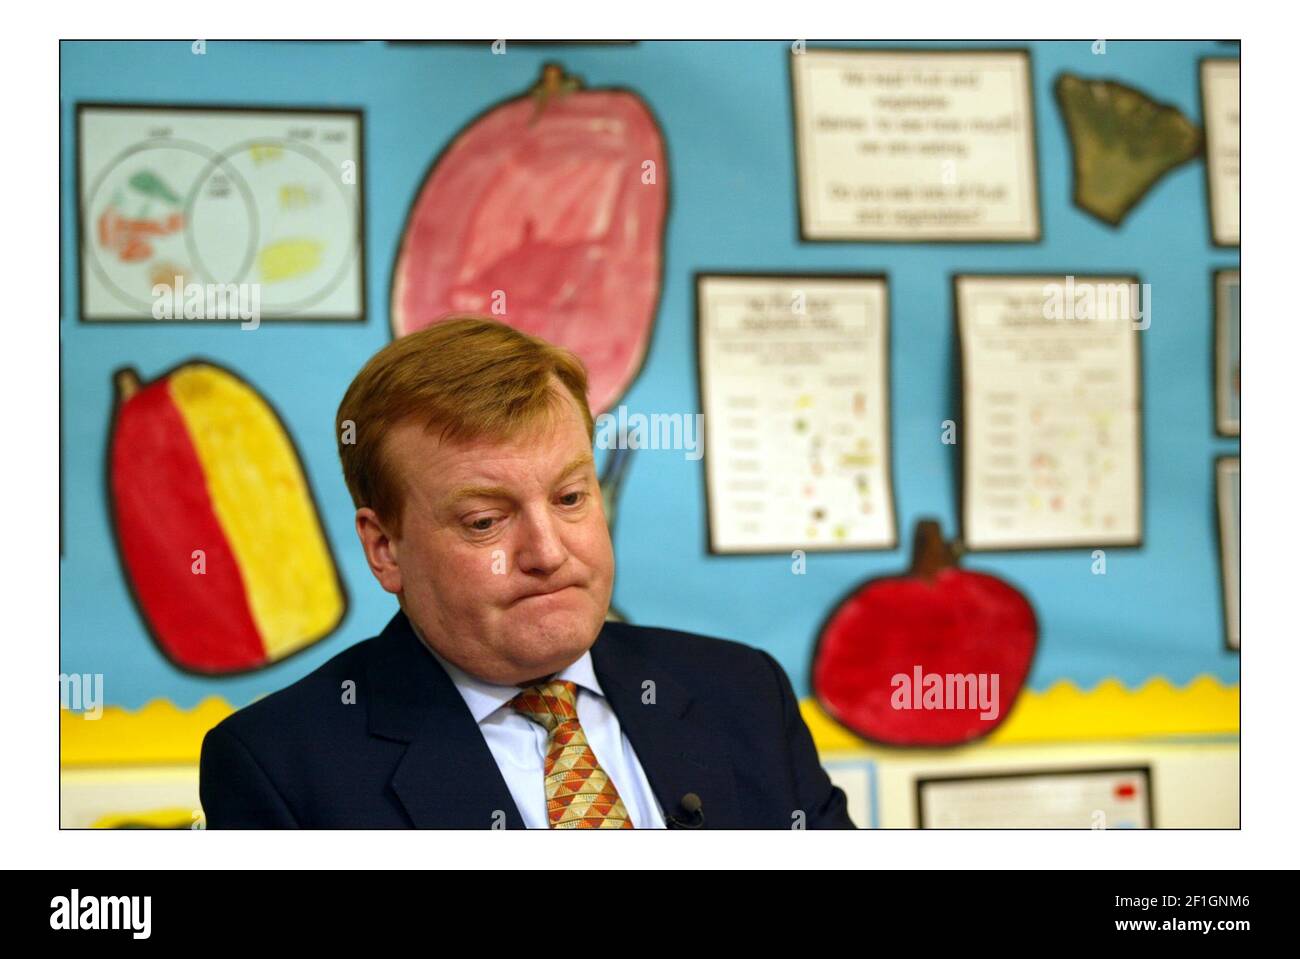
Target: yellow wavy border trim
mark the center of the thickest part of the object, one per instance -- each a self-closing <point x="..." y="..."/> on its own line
<point x="1108" y="712"/>
<point x="160" y="733"/>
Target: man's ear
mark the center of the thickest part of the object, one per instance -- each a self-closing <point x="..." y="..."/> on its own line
<point x="381" y="550"/>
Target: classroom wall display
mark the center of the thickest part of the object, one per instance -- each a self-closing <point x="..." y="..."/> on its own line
<point x="725" y="116"/>
<point x="1122" y="142"/>
<point x="1043" y="799"/>
<point x="1228" y="493"/>
<point x="1227" y="352"/>
<point x="547" y="212"/>
<point x="1221" y="114"/>
<point x="794" y="385"/>
<point x="216" y="525"/>
<point x="216" y="213"/>
<point x="933" y="657"/>
<point x="915" y="145"/>
<point x="1051" y="420"/>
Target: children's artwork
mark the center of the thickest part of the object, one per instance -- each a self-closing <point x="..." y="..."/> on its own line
<point x="1051" y="426"/>
<point x="794" y="385"/>
<point x="1227" y="352"/>
<point x="1221" y="114"/>
<point x="1039" y="799"/>
<point x="913" y="145"/>
<point x="1228" y="488"/>
<point x="932" y="657"/>
<point x="546" y="212"/>
<point x="216" y="526"/>
<point x="214" y="213"/>
<point x="1122" y="141"/>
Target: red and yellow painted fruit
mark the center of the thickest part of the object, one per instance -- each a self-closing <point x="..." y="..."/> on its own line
<point x="937" y="620"/>
<point x="547" y="213"/>
<point x="215" y="522"/>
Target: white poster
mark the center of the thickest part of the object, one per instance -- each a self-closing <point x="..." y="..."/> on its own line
<point x="1221" y="106"/>
<point x="182" y="209"/>
<point x="1227" y="352"/>
<point x="1051" y="799"/>
<point x="794" y="382"/>
<point x="1051" y="431"/>
<point x="915" y="145"/>
<point x="1228" y="487"/>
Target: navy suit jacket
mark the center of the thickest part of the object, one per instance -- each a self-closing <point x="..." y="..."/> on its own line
<point x="404" y="751"/>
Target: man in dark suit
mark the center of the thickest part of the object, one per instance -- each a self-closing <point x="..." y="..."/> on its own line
<point x="499" y="697"/>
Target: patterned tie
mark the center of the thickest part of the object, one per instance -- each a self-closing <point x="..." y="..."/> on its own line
<point x="579" y="795"/>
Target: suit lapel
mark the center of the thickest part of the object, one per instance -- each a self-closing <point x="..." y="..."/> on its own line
<point x="677" y="747"/>
<point x="447" y="778"/>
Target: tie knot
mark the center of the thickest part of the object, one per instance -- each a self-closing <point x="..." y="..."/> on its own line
<point x="548" y="704"/>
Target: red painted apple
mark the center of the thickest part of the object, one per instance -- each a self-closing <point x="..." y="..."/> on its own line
<point x="935" y="657"/>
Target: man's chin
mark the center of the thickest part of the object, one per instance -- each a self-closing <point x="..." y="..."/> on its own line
<point x="554" y="640"/>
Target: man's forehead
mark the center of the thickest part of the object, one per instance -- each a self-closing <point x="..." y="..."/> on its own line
<point x="526" y="468"/>
<point x="444" y="465"/>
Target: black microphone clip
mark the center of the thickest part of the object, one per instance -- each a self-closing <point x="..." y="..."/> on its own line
<point x="694" y="809"/>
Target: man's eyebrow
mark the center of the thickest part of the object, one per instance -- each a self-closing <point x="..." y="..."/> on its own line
<point x="500" y="492"/>
<point x="575" y="464"/>
<point x="477" y="492"/>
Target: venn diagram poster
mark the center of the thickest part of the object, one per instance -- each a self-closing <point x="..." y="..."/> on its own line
<point x="185" y="198"/>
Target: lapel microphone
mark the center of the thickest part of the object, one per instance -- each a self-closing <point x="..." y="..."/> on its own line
<point x="694" y="809"/>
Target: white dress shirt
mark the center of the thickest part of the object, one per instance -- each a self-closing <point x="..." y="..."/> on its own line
<point x="519" y="745"/>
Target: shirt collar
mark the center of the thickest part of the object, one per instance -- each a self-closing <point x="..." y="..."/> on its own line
<point x="484" y="698"/>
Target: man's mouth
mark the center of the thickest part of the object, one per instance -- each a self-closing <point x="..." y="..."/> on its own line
<point x="544" y="594"/>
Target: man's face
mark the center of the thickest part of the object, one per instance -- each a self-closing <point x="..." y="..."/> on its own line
<point x="503" y="561"/>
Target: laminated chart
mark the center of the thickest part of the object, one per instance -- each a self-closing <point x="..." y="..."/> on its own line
<point x="1221" y="110"/>
<point x="1051" y="411"/>
<point x="1227" y="352"/>
<point x="915" y="145"/>
<point x="1040" y="799"/>
<point x="794" y="383"/>
<point x="185" y="199"/>
<point x="1227" y="481"/>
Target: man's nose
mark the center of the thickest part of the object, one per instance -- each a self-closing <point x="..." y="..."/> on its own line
<point x="541" y="547"/>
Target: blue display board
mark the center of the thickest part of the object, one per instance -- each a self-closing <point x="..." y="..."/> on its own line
<point x="725" y="112"/>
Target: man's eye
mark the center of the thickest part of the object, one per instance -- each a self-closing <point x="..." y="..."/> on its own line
<point x="482" y="524"/>
<point x="572" y="499"/>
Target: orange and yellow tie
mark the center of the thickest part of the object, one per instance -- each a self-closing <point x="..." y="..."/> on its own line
<point x="579" y="794"/>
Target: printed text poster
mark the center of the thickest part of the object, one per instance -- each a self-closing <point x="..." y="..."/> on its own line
<point x="915" y="146"/>
<point x="1221" y="102"/>
<point x="793" y="375"/>
<point x="1083" y="799"/>
<point x="1051" y="421"/>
